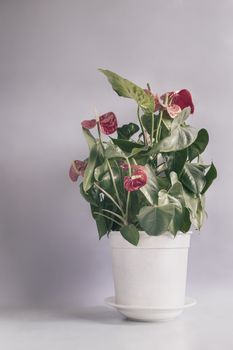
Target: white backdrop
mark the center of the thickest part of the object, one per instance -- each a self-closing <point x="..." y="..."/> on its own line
<point x="49" y="54"/>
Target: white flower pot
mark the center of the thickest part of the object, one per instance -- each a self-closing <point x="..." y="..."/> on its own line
<point x="152" y="275"/>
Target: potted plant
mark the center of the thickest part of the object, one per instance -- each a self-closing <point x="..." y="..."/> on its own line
<point x="146" y="187"/>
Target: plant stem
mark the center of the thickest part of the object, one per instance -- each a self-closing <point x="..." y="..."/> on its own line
<point x="117" y="215"/>
<point x="152" y="128"/>
<point x="109" y="196"/>
<point x="159" y="126"/>
<point x="128" y="194"/>
<point x="107" y="217"/>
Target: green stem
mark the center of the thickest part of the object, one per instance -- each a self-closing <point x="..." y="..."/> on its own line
<point x="159" y="126"/>
<point x="109" y="196"/>
<point x="117" y="215"/>
<point x="128" y="194"/>
<point x="107" y="217"/>
<point x="152" y="128"/>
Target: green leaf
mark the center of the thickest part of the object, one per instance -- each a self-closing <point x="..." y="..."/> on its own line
<point x="100" y="171"/>
<point x="186" y="222"/>
<point x="112" y="151"/>
<point x="210" y="176"/>
<point x="130" y="233"/>
<point x="199" y="145"/>
<point x="103" y="225"/>
<point x="174" y="197"/>
<point x="176" y="160"/>
<point x="90" y="196"/>
<point x="155" y="219"/>
<point x="181" y="117"/>
<point x="181" y="137"/>
<point x="91" y="141"/>
<point x="127" y="131"/>
<point x="126" y="88"/>
<point x="193" y="178"/>
<point x="89" y="171"/>
<point x="125" y="145"/>
<point x="196" y="207"/>
<point x="151" y="189"/>
<point x="147" y="122"/>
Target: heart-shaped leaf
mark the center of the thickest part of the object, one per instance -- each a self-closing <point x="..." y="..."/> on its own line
<point x="193" y="178"/>
<point x="155" y="220"/>
<point x="181" y="137"/>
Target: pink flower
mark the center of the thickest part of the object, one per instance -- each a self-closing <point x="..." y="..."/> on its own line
<point x="137" y="180"/>
<point x="108" y="123"/>
<point x="89" y="124"/>
<point x="173" y="110"/>
<point x="183" y="99"/>
<point x="77" y="168"/>
<point x="173" y="101"/>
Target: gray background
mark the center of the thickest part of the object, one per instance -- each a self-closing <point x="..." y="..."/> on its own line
<point x="49" y="54"/>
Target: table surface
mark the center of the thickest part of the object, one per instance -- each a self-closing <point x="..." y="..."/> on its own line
<point x="209" y="323"/>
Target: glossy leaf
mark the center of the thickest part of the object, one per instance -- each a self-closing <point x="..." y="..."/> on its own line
<point x="127" y="131"/>
<point x="90" y="196"/>
<point x="147" y="122"/>
<point x="193" y="178"/>
<point x="199" y="145"/>
<point x="103" y="225"/>
<point x="181" y="137"/>
<point x="155" y="220"/>
<point x="175" y="197"/>
<point x="176" y="160"/>
<point x="126" y="88"/>
<point x="186" y="222"/>
<point x="112" y="151"/>
<point x="125" y="145"/>
<point x="151" y="189"/>
<point x="181" y="117"/>
<point x="130" y="233"/>
<point x="210" y="176"/>
<point x="196" y="207"/>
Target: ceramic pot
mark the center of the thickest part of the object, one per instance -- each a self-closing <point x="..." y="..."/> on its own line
<point x="152" y="274"/>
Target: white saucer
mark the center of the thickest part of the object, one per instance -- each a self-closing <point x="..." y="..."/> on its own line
<point x="147" y="313"/>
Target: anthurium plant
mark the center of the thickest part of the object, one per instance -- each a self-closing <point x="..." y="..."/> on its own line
<point x="148" y="175"/>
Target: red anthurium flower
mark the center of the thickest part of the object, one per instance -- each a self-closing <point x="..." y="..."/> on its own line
<point x="108" y="123"/>
<point x="183" y="99"/>
<point x="137" y="179"/>
<point x="77" y="168"/>
<point x="89" y="124"/>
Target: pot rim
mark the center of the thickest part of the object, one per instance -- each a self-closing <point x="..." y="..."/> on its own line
<point x="163" y="241"/>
